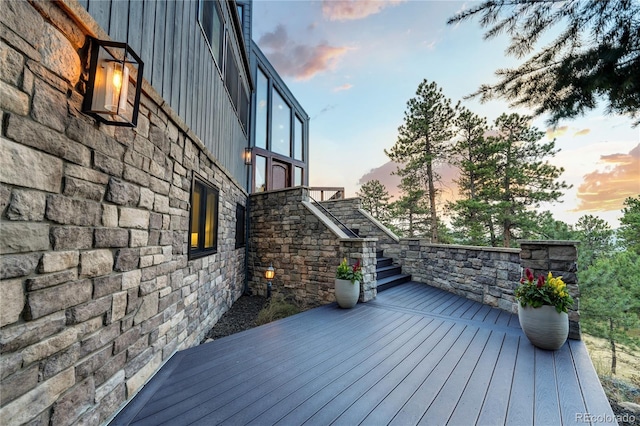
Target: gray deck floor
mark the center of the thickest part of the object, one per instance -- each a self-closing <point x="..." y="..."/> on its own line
<point x="415" y="355"/>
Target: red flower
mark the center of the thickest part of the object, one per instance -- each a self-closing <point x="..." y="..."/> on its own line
<point x="541" y="281"/>
<point x="529" y="274"/>
<point x="356" y="267"/>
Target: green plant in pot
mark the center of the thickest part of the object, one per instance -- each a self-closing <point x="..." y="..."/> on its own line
<point x="542" y="309"/>
<point x="347" y="286"/>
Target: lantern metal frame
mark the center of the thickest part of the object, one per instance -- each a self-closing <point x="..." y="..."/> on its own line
<point x="248" y="156"/>
<point x="103" y="54"/>
<point x="269" y="274"/>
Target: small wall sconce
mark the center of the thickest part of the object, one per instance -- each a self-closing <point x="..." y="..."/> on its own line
<point x="109" y="84"/>
<point x="269" y="274"/>
<point x="247" y="156"/>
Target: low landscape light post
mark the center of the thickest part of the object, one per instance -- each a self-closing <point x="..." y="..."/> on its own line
<point x="269" y="274"/>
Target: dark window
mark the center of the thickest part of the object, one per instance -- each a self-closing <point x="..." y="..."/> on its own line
<point x="212" y="25"/>
<point x="231" y="78"/>
<point x="244" y="108"/>
<point x="203" y="228"/>
<point x="240" y="225"/>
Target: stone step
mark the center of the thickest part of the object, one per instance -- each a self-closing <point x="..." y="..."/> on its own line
<point x="389" y="282"/>
<point x="384" y="261"/>
<point x="388" y="271"/>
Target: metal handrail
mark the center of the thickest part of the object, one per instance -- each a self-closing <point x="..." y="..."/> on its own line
<point x="341" y="225"/>
<point x="337" y="193"/>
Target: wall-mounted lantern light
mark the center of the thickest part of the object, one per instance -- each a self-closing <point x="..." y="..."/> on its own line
<point x="269" y="274"/>
<point x="110" y="86"/>
<point x="247" y="156"/>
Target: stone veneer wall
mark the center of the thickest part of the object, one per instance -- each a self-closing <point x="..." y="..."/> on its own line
<point x="484" y="274"/>
<point x="97" y="290"/>
<point x="349" y="212"/>
<point x="559" y="258"/>
<point x="304" y="251"/>
<point x="490" y="275"/>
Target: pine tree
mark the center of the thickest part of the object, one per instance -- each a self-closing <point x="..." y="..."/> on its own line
<point x="548" y="228"/>
<point x="523" y="177"/>
<point x="410" y="213"/>
<point x="473" y="155"/>
<point x="422" y="143"/>
<point x="595" y="56"/>
<point x="596" y="240"/>
<point x="610" y="300"/>
<point x="375" y="199"/>
<point x="629" y="231"/>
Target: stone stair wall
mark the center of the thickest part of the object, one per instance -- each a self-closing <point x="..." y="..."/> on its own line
<point x="304" y="247"/>
<point x="349" y="211"/>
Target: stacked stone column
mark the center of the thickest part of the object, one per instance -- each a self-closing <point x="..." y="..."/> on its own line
<point x="364" y="250"/>
<point x="559" y="258"/>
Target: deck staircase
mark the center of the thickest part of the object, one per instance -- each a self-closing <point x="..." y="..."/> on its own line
<point x="388" y="274"/>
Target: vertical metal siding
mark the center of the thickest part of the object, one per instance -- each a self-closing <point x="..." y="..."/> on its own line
<point x="100" y="10"/>
<point x="135" y="30"/>
<point x="169" y="43"/>
<point x="158" y="46"/>
<point x="179" y="65"/>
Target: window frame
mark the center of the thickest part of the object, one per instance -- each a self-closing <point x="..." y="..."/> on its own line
<point x="276" y="91"/>
<point x="206" y="189"/>
<point x="219" y="58"/>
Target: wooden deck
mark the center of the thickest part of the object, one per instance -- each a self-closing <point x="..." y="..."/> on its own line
<point x="415" y="355"/>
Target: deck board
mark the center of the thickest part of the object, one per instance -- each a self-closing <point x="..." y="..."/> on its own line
<point x="415" y="355"/>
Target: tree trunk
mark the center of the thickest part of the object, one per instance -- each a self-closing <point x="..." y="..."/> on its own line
<point x="410" y="224"/>
<point x="614" y="358"/>
<point x="506" y="236"/>
<point x="432" y="193"/>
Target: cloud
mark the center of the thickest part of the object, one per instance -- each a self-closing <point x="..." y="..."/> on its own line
<point x="606" y="190"/>
<point x="295" y="60"/>
<point x="275" y="40"/>
<point x="384" y="174"/>
<point x="347" y="10"/>
<point x="553" y="132"/>
<point x="345" y="86"/>
<point x="582" y="132"/>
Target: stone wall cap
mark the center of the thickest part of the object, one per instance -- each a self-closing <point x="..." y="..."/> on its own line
<point x="379" y="224"/>
<point x="275" y="191"/>
<point x="328" y="223"/>
<point x="550" y="242"/>
<point x="339" y="200"/>
<point x="358" y="239"/>
<point x="458" y="246"/>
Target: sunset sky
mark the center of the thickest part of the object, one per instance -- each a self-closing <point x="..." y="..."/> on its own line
<point x="353" y="65"/>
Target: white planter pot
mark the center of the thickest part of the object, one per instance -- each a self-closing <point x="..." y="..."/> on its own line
<point x="347" y="293"/>
<point x="545" y="327"/>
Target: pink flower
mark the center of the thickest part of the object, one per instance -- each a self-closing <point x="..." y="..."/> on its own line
<point x="541" y="281"/>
